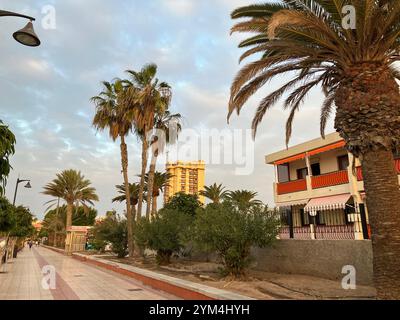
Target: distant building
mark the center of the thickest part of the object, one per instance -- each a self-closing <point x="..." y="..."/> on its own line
<point x="38" y="225"/>
<point x="187" y="177"/>
<point x="319" y="190"/>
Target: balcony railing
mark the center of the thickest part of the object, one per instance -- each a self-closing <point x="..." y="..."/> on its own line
<point x="291" y="186"/>
<point x="330" y="179"/>
<point x="360" y="175"/>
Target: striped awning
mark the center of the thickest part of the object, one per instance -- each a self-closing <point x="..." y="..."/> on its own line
<point x="293" y="203"/>
<point x="328" y="203"/>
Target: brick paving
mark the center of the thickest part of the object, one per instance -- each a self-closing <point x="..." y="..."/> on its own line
<point x="74" y="280"/>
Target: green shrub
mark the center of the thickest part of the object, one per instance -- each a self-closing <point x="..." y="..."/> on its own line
<point x="113" y="229"/>
<point x="184" y="203"/>
<point x="231" y="232"/>
<point x="23" y="223"/>
<point x="7" y="216"/>
<point x="165" y="234"/>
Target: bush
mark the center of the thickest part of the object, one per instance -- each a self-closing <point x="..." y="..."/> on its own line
<point x="184" y="203"/>
<point x="23" y="223"/>
<point x="165" y="234"/>
<point x="231" y="232"/>
<point x="113" y="229"/>
<point x="7" y="216"/>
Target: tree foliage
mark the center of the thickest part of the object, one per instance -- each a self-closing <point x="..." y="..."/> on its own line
<point x="7" y="217"/>
<point x="231" y="231"/>
<point x="184" y="203"/>
<point x="165" y="234"/>
<point x="7" y="148"/>
<point x="112" y="229"/>
<point x="23" y="223"/>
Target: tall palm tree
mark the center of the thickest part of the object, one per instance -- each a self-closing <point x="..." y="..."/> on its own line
<point x="313" y="40"/>
<point x="170" y="125"/>
<point x="116" y="116"/>
<point x="7" y="148"/>
<point x="243" y="198"/>
<point x="214" y="192"/>
<point x="151" y="96"/>
<point x="72" y="187"/>
<point x="133" y="192"/>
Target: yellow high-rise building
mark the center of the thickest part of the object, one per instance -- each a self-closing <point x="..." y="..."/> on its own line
<point x="187" y="177"/>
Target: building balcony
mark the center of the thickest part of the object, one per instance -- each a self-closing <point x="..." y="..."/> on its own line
<point x="291" y="186"/>
<point x="330" y="179"/>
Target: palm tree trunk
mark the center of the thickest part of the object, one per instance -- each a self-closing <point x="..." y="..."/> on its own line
<point x="154" y="206"/>
<point x="150" y="184"/>
<point x="124" y="163"/>
<point x="143" y="173"/>
<point x="383" y="199"/>
<point x="368" y="118"/>
<point x="69" y="215"/>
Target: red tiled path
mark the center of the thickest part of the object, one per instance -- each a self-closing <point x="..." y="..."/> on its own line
<point x="74" y="280"/>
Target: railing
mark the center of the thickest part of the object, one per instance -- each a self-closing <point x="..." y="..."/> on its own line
<point x="360" y="175"/>
<point x="330" y="179"/>
<point x="300" y="233"/>
<point x="291" y="186"/>
<point x="344" y="232"/>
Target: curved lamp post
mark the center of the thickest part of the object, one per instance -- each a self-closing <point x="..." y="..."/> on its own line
<point x="28" y="185"/>
<point x="26" y="35"/>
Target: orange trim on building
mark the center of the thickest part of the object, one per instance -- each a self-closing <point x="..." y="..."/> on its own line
<point x="330" y="147"/>
<point x="291" y="186"/>
<point x="330" y="179"/>
<point x="333" y="146"/>
<point x="291" y="159"/>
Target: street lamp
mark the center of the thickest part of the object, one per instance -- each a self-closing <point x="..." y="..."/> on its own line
<point x="28" y="186"/>
<point x="26" y="35"/>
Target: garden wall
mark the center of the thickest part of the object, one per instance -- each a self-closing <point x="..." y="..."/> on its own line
<point x="319" y="258"/>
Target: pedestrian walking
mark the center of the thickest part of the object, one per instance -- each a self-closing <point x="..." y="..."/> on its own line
<point x="30" y="243"/>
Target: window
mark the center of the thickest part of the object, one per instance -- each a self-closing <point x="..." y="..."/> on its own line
<point x="284" y="215"/>
<point x="283" y="173"/>
<point x="343" y="162"/>
<point x="302" y="173"/>
<point x="316" y="169"/>
<point x="305" y="218"/>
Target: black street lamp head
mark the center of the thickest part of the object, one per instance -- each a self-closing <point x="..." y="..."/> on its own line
<point x="28" y="185"/>
<point x="27" y="36"/>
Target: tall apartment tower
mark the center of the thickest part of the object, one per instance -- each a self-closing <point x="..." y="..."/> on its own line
<point x="187" y="177"/>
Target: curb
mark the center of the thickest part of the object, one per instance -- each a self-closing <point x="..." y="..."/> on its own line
<point x="58" y="250"/>
<point x="178" y="287"/>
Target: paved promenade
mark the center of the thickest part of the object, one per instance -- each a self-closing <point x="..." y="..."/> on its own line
<point x="74" y="280"/>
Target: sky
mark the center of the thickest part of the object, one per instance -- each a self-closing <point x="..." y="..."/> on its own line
<point x="45" y="91"/>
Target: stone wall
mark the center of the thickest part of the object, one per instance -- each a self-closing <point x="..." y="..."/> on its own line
<point x="320" y="258"/>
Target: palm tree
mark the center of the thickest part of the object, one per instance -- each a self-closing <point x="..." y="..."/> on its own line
<point x="161" y="180"/>
<point x="72" y="187"/>
<point x="356" y="70"/>
<point x="116" y="116"/>
<point x="151" y="96"/>
<point x="214" y="192"/>
<point x="170" y="125"/>
<point x="7" y="143"/>
<point x="133" y="192"/>
<point x="243" y="198"/>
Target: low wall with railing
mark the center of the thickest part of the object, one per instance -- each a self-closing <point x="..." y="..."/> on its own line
<point x="318" y="258"/>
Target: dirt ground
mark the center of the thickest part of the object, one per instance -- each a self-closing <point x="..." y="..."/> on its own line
<point x="257" y="284"/>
